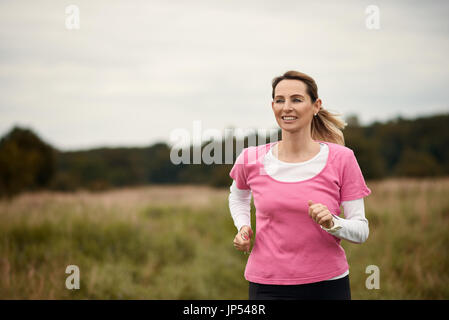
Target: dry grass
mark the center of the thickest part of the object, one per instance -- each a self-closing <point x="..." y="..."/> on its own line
<point x="175" y="242"/>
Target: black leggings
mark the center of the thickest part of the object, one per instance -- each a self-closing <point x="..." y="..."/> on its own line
<point x="338" y="289"/>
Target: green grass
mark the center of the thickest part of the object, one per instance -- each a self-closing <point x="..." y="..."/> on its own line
<point x="177" y="250"/>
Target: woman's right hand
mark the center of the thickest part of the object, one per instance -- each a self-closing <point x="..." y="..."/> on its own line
<point x="242" y="240"/>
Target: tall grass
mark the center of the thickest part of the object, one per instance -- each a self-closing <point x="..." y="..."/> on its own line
<point x="176" y="243"/>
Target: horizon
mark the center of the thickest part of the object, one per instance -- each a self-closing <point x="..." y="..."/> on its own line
<point x="150" y="144"/>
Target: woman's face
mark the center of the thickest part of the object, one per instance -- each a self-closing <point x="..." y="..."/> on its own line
<point x="291" y="100"/>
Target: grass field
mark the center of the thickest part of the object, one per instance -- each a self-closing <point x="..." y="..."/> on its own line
<point x="162" y="242"/>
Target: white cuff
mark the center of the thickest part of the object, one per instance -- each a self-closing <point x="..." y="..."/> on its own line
<point x="335" y="227"/>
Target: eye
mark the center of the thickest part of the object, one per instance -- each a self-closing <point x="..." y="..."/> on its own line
<point x="297" y="100"/>
<point x="277" y="101"/>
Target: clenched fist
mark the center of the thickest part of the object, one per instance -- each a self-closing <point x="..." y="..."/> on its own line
<point x="242" y="240"/>
<point x="320" y="214"/>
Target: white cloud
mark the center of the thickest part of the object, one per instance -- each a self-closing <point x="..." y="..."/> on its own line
<point x="138" y="69"/>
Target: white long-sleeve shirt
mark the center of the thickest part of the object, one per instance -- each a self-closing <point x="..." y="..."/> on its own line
<point x="354" y="227"/>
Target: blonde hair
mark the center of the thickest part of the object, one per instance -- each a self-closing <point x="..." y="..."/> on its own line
<point x="326" y="126"/>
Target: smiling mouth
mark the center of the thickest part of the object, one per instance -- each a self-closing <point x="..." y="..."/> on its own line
<point x="289" y="118"/>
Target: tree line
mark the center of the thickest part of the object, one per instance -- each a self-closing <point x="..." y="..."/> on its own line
<point x="396" y="148"/>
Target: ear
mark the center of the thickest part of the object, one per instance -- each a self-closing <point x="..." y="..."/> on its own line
<point x="317" y="105"/>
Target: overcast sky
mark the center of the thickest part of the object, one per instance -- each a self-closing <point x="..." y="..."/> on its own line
<point x="137" y="70"/>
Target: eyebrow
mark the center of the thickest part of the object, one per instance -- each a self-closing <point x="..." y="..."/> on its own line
<point x="293" y="95"/>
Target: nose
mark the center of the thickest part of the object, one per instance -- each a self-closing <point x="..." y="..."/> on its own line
<point x="287" y="107"/>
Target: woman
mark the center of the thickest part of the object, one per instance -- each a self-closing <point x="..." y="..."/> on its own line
<point x="298" y="185"/>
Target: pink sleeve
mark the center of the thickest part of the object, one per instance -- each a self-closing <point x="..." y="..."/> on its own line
<point x="238" y="172"/>
<point x="353" y="184"/>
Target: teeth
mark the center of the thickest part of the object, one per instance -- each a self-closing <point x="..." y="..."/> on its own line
<point x="289" y="118"/>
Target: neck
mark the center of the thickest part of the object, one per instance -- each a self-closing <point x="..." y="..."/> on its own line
<point x="297" y="144"/>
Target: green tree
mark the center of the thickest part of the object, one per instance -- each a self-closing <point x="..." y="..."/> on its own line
<point x="26" y="162"/>
<point x="417" y="164"/>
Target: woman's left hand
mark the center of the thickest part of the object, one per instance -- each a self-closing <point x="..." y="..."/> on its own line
<point x="320" y="214"/>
